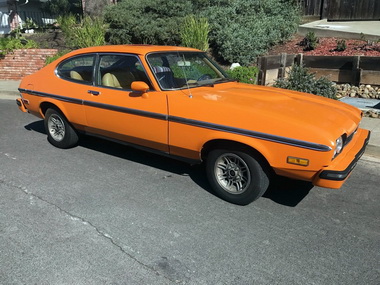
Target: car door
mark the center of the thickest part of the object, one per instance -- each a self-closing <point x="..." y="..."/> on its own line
<point x="68" y="89"/>
<point x="113" y="110"/>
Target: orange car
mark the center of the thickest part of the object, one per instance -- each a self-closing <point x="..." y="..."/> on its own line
<point x="177" y="102"/>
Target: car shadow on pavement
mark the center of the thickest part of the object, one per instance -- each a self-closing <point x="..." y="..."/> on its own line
<point x="195" y="172"/>
<point x="281" y="190"/>
<point x="288" y="192"/>
<point x="37" y="126"/>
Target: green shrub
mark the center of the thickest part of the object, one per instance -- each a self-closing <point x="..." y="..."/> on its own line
<point x="310" y="41"/>
<point x="16" y="34"/>
<point x="300" y="79"/>
<point x="194" y="33"/>
<point x="146" y="21"/>
<point x="240" y="30"/>
<point x="7" y="45"/>
<point x="30" y="24"/>
<point x="52" y="58"/>
<point x="244" y="74"/>
<point x="66" y="22"/>
<point x="86" y="32"/>
<point x="341" y="45"/>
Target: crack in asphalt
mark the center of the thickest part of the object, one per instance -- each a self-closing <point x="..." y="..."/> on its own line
<point x="103" y="234"/>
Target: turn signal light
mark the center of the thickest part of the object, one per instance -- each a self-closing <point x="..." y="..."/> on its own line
<point x="298" y="161"/>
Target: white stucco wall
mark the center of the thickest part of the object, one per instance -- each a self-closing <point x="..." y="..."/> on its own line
<point x="4" y="23"/>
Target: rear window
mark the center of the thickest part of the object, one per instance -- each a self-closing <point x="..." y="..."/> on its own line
<point x="79" y="68"/>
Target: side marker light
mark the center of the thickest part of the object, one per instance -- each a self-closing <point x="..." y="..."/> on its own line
<point x="297" y="161"/>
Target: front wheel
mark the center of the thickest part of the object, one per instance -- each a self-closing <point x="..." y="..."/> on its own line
<point x="60" y="133"/>
<point x="236" y="176"/>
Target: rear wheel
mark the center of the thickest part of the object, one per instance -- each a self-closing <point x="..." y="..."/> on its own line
<point x="60" y="133"/>
<point x="236" y="176"/>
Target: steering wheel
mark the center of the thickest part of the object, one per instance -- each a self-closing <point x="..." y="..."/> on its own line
<point x="205" y="77"/>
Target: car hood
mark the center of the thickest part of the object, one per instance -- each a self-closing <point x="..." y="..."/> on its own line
<point x="274" y="111"/>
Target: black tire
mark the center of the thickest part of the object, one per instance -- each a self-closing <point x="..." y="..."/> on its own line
<point x="60" y="133"/>
<point x="236" y="176"/>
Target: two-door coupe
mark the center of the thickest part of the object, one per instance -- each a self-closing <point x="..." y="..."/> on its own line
<point x="178" y="102"/>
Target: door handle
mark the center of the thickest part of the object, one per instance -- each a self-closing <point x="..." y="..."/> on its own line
<point x="96" y="93"/>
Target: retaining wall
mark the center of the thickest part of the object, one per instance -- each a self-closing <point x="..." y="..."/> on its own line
<point x="22" y="62"/>
<point x="355" y="70"/>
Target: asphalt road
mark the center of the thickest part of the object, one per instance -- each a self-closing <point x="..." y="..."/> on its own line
<point x="103" y="213"/>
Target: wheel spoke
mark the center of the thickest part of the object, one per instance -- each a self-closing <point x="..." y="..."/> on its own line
<point x="56" y="128"/>
<point x="229" y="183"/>
<point x="222" y="166"/>
<point x="239" y="186"/>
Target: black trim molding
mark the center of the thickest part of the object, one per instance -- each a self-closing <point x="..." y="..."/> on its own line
<point x="190" y="122"/>
<point x="126" y="110"/>
<point x="253" y="134"/>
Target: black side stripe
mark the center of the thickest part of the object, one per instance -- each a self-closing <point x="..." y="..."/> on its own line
<point x="60" y="98"/>
<point x="190" y="122"/>
<point x="126" y="110"/>
<point x="98" y="105"/>
<point x="253" y="134"/>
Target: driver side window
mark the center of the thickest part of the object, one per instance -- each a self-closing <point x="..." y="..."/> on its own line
<point x="119" y="71"/>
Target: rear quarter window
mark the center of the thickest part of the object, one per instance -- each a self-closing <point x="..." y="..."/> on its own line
<point x="79" y="68"/>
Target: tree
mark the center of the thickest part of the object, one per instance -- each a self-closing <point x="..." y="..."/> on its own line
<point x="62" y="7"/>
<point x="95" y="8"/>
<point x="240" y="30"/>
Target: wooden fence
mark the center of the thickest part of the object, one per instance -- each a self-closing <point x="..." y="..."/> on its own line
<point x="338" y="10"/>
<point x="311" y="7"/>
<point x="355" y="70"/>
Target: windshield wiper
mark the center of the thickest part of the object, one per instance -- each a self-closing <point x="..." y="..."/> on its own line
<point x="206" y="85"/>
<point x="222" y="80"/>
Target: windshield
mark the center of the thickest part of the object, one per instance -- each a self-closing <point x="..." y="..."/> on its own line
<point x="179" y="70"/>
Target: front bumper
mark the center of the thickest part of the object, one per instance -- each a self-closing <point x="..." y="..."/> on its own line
<point x="334" y="175"/>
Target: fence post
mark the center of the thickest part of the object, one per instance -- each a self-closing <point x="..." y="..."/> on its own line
<point x="262" y="70"/>
<point x="281" y="70"/>
<point x="299" y="59"/>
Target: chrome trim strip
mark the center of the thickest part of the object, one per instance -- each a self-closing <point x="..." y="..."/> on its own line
<point x="190" y="122"/>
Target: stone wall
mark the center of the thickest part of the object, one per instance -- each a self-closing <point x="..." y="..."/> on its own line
<point x="22" y="62"/>
<point x="361" y="91"/>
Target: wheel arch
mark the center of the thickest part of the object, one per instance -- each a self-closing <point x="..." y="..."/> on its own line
<point x="234" y="145"/>
<point x="44" y="106"/>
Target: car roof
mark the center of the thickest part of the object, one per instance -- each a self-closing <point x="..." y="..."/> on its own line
<point x="135" y="49"/>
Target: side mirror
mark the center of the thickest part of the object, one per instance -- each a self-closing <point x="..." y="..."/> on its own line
<point x="139" y="86"/>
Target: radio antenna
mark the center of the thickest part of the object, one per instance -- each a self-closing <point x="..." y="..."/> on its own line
<point x="184" y="73"/>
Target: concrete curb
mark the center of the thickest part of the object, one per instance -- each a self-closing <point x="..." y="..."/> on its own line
<point x="370" y="30"/>
<point x="9" y="89"/>
<point x="5" y="96"/>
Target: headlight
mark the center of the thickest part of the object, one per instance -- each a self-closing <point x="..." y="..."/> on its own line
<point x="338" y="146"/>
